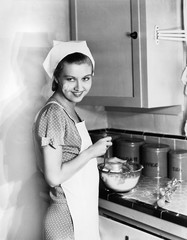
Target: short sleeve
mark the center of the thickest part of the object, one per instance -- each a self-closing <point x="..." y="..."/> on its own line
<point x="51" y="126"/>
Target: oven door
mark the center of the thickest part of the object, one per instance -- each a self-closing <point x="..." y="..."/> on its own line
<point x="111" y="229"/>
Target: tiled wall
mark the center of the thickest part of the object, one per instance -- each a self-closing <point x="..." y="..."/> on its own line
<point x="147" y="122"/>
<point x="166" y="129"/>
<point x="128" y="151"/>
<point x="174" y="141"/>
<point x="163" y="123"/>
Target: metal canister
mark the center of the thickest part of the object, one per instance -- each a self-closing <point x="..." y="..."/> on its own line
<point x="128" y="149"/>
<point x="154" y="159"/>
<point x="178" y="164"/>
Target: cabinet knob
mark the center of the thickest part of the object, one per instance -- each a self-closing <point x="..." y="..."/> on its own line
<point x="126" y="237"/>
<point x="133" y="35"/>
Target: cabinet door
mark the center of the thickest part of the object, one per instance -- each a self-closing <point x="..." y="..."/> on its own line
<point x="131" y="72"/>
<point x="162" y="64"/>
<point x="111" y="230"/>
<point x="106" y="25"/>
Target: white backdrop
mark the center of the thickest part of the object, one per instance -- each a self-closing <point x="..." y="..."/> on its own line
<point x="27" y="29"/>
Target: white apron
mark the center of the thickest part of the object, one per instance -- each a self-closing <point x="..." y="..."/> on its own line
<point x="81" y="192"/>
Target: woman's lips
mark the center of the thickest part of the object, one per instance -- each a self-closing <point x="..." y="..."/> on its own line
<point x="77" y="94"/>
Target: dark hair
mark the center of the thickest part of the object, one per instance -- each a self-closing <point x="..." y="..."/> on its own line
<point x="77" y="58"/>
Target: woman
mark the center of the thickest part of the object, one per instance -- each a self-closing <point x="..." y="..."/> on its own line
<point x="68" y="158"/>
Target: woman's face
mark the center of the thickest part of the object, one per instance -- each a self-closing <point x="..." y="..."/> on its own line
<point x="75" y="81"/>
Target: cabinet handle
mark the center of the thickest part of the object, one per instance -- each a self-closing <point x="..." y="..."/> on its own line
<point x="133" y="35"/>
<point x="126" y="237"/>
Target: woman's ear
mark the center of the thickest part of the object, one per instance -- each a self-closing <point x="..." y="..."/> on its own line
<point x="54" y="84"/>
<point x="55" y="80"/>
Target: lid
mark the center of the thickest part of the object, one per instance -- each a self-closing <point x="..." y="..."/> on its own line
<point x="156" y="147"/>
<point x="179" y="153"/>
<point x="130" y="141"/>
<point x="102" y="134"/>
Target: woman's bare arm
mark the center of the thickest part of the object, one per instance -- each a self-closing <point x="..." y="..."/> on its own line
<point x="56" y="173"/>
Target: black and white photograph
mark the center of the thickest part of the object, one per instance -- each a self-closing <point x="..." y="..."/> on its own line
<point x="93" y="120"/>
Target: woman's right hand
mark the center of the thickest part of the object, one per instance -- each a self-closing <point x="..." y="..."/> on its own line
<point x="100" y="147"/>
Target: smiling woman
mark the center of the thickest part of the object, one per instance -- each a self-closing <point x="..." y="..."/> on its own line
<point x="69" y="162"/>
<point x="73" y="76"/>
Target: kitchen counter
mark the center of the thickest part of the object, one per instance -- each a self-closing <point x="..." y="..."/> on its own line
<point x="140" y="205"/>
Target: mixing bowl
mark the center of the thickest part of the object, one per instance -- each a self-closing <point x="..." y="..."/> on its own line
<point x="122" y="180"/>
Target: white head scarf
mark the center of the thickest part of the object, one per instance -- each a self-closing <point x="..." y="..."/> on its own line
<point x="61" y="50"/>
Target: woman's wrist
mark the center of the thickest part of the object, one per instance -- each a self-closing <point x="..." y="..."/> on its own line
<point x="87" y="154"/>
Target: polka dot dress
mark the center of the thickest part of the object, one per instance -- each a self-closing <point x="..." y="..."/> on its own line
<point x="55" y="127"/>
<point x="58" y="223"/>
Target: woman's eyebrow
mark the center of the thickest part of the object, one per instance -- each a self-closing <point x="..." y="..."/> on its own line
<point x="90" y="74"/>
<point x="66" y="75"/>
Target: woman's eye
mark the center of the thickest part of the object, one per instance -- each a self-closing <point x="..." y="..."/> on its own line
<point x="70" y="79"/>
<point x="86" y="79"/>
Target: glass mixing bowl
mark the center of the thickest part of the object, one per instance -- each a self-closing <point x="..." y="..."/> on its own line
<point x="122" y="180"/>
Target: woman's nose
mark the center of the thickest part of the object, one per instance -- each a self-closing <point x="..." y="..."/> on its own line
<point x="78" y="85"/>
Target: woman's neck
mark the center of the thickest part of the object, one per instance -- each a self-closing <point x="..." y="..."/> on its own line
<point x="64" y="102"/>
<point x="68" y="106"/>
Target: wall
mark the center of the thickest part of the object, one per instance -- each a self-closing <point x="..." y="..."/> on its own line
<point x="164" y="123"/>
<point x="27" y="29"/>
<point x="98" y="118"/>
<point x="147" y="122"/>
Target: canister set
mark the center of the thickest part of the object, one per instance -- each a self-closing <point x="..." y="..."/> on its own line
<point x="157" y="159"/>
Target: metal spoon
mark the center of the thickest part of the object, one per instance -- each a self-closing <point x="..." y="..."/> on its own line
<point x="106" y="153"/>
<point x="105" y="158"/>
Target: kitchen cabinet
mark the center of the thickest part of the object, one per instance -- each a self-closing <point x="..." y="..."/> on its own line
<point x="111" y="229"/>
<point x="140" y="219"/>
<point x="132" y="70"/>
